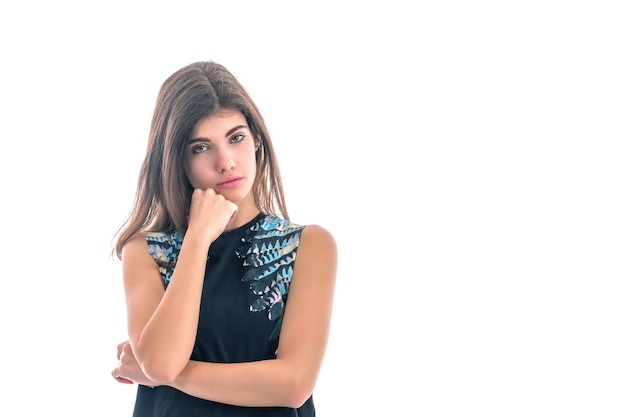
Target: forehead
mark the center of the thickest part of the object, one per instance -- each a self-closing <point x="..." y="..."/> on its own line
<point x="219" y="123"/>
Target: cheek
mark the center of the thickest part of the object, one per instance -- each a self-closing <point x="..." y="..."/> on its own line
<point x="186" y="167"/>
<point x="192" y="172"/>
<point x="252" y="166"/>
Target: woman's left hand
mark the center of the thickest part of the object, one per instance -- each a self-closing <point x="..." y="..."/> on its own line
<point x="128" y="370"/>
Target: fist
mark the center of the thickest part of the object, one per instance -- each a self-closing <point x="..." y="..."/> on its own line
<point x="210" y="213"/>
<point x="128" y="370"/>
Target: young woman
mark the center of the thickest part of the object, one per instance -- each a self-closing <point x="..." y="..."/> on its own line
<point x="228" y="302"/>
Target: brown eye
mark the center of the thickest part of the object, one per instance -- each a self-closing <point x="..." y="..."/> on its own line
<point x="237" y="138"/>
<point x="199" y="149"/>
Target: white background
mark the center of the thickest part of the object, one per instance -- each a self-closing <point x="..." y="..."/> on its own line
<point x="467" y="156"/>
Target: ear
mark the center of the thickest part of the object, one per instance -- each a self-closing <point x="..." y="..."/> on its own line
<point x="257" y="143"/>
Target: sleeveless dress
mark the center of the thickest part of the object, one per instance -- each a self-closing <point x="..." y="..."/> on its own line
<point x="245" y="289"/>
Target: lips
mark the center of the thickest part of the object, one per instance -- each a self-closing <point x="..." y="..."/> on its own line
<point x="230" y="182"/>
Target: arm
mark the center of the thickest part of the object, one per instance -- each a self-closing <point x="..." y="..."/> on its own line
<point x="289" y="379"/>
<point x="162" y="324"/>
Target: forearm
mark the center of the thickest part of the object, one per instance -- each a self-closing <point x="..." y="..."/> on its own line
<point x="166" y="342"/>
<point x="266" y="383"/>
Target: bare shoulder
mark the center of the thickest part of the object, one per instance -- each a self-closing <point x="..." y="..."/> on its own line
<point x="136" y="245"/>
<point x="317" y="243"/>
<point x="316" y="234"/>
<point x="135" y="251"/>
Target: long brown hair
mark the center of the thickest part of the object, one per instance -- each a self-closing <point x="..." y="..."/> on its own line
<point x="163" y="195"/>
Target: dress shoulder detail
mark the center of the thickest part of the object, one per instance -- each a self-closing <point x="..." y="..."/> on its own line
<point x="164" y="247"/>
<point x="269" y="251"/>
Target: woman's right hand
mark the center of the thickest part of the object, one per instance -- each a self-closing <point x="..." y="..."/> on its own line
<point x="210" y="213"/>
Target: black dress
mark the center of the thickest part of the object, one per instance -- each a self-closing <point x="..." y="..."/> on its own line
<point x="246" y="284"/>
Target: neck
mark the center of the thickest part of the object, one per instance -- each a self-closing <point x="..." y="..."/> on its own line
<point x="245" y="212"/>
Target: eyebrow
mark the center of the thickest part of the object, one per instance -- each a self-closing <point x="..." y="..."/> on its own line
<point x="230" y="132"/>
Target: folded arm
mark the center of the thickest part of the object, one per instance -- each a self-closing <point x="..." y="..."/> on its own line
<point x="289" y="379"/>
<point x="162" y="324"/>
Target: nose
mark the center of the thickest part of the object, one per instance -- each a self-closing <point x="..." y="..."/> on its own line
<point x="224" y="161"/>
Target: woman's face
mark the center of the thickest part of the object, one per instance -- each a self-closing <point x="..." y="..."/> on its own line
<point x="220" y="154"/>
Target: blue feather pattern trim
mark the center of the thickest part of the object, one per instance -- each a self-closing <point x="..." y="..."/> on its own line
<point x="164" y="248"/>
<point x="268" y="253"/>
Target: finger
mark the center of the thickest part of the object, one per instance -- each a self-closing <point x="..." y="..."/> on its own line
<point x="232" y="216"/>
<point x="115" y="373"/>
<point x="120" y="346"/>
<point x="123" y="380"/>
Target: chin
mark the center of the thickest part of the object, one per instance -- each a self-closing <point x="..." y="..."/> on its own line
<point x="233" y="196"/>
